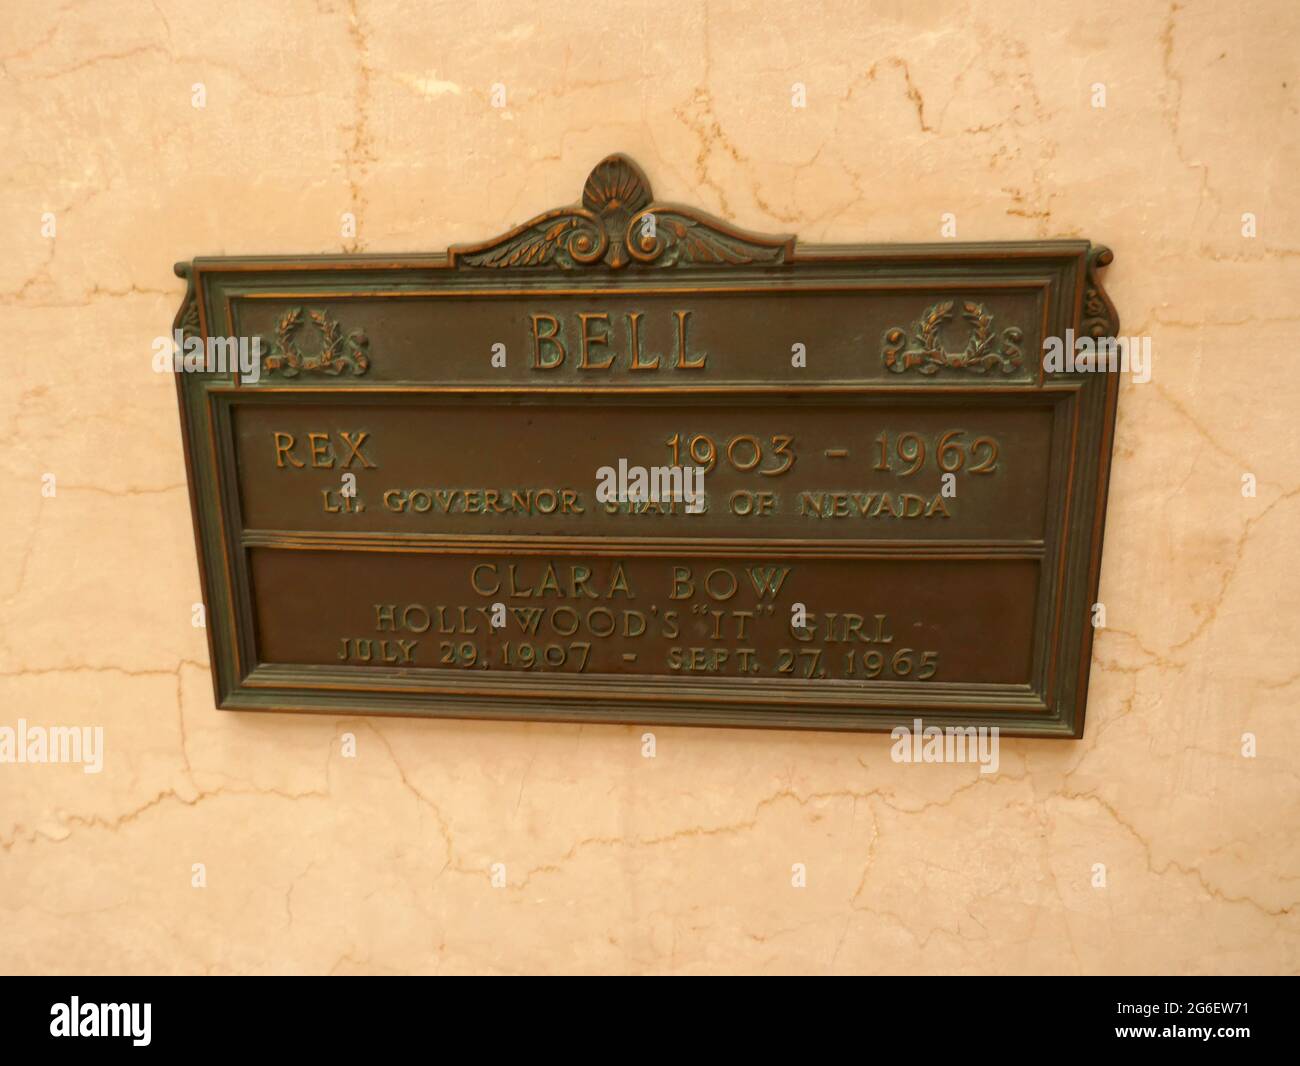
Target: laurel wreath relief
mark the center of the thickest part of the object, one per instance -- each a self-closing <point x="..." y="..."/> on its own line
<point x="337" y="352"/>
<point x="928" y="356"/>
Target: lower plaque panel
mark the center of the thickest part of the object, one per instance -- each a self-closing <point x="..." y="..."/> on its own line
<point x="879" y="622"/>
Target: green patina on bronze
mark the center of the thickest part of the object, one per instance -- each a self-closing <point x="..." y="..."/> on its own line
<point x="405" y="509"/>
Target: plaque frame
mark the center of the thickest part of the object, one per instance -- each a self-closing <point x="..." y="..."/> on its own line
<point x="600" y="246"/>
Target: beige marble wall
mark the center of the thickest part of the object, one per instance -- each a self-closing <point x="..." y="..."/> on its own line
<point x="616" y="863"/>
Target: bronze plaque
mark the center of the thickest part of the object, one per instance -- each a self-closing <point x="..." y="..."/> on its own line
<point x="627" y="463"/>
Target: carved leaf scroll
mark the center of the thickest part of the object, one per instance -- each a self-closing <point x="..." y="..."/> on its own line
<point x="617" y="225"/>
<point x="1100" y="319"/>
